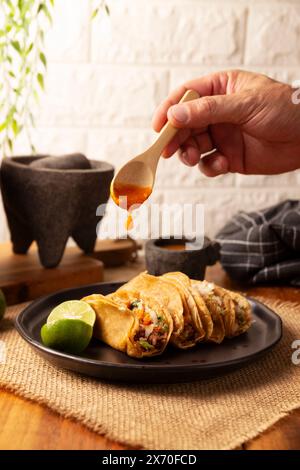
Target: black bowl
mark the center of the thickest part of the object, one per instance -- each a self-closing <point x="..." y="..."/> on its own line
<point x="192" y="259"/>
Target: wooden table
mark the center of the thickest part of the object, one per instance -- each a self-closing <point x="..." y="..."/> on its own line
<point x="27" y="425"/>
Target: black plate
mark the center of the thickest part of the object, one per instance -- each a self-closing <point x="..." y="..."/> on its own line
<point x="174" y="365"/>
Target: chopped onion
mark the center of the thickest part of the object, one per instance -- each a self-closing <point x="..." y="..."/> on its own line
<point x="205" y="288"/>
<point x="148" y="330"/>
<point x="152" y="314"/>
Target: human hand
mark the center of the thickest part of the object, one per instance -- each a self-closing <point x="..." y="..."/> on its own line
<point x="248" y="118"/>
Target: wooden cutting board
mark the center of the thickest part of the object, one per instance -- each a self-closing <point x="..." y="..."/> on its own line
<point x="22" y="277"/>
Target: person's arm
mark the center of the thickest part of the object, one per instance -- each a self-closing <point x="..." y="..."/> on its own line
<point x="248" y="118"/>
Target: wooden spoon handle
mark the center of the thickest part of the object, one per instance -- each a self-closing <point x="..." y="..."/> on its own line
<point x="168" y="131"/>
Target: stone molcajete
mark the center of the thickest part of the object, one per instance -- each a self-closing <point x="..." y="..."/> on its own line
<point x="187" y="256"/>
<point x="49" y="199"/>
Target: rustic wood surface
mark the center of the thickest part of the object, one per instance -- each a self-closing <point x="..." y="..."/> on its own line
<point x="22" y="277"/>
<point x="26" y="425"/>
<point x="115" y="252"/>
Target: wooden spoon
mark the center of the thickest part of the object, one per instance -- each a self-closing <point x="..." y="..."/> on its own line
<point x="136" y="178"/>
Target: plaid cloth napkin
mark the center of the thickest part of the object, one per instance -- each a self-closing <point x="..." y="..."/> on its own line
<point x="263" y="246"/>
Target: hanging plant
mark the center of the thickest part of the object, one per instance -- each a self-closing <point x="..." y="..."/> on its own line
<point x="102" y="5"/>
<point x="23" y="64"/>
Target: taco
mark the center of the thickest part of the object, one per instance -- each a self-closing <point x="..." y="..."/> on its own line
<point x="242" y="310"/>
<point x="165" y="294"/>
<point x="193" y="330"/>
<point x="203" y="312"/>
<point x="214" y="304"/>
<point x="138" y="327"/>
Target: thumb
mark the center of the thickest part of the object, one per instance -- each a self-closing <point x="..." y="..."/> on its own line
<point x="234" y="108"/>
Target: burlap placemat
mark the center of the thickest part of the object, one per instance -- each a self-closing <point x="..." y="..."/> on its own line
<point x="219" y="413"/>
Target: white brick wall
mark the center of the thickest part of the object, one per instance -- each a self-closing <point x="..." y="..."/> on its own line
<point x="106" y="77"/>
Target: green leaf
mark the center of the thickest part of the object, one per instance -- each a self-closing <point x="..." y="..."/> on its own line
<point x="31" y="118"/>
<point x="10" y="4"/>
<point x="43" y="59"/>
<point x="107" y="9"/>
<point x="29" y="49"/>
<point x="10" y="144"/>
<point x="95" y="13"/>
<point x="11" y="74"/>
<point x="43" y="8"/>
<point x="15" y="127"/>
<point x="25" y="7"/>
<point x="48" y="14"/>
<point x="11" y="113"/>
<point x="3" y="126"/>
<point x="16" y="46"/>
<point x="36" y="95"/>
<point x="40" y="80"/>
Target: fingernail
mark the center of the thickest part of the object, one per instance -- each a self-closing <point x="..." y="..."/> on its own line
<point x="180" y="113"/>
<point x="184" y="158"/>
<point x="217" y="166"/>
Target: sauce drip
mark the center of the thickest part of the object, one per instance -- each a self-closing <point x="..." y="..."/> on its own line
<point x="129" y="222"/>
<point x="135" y="195"/>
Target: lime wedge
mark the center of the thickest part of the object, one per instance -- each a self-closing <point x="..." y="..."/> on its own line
<point x="69" y="327"/>
<point x="68" y="335"/>
<point x="2" y="305"/>
<point x="73" y="310"/>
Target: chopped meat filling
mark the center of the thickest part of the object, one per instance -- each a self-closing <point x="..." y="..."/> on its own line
<point x="153" y="329"/>
<point x="189" y="332"/>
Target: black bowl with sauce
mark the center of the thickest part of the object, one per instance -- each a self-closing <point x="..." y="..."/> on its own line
<point x="188" y="256"/>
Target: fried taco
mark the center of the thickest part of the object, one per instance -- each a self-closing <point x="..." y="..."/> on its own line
<point x="242" y="310"/>
<point x="164" y="293"/>
<point x="203" y="312"/>
<point x="138" y="327"/>
<point x="216" y="307"/>
<point x="193" y="330"/>
<point x="220" y="302"/>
